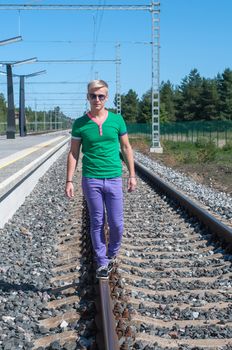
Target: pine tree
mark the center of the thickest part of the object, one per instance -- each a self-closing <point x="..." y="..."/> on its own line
<point x="189" y="103"/>
<point x="167" y="102"/>
<point x="130" y="106"/>
<point x="145" y="112"/>
<point x="209" y="100"/>
<point x="225" y="92"/>
<point x="3" y="108"/>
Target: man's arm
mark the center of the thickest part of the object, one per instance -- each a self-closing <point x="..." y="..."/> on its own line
<point x="72" y="161"/>
<point x="129" y="160"/>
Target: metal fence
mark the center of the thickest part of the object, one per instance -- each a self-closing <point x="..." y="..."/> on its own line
<point x="139" y="130"/>
<point x="219" y="131"/>
<point x="34" y="127"/>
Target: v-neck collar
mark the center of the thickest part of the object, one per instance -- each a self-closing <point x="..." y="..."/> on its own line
<point x="97" y="121"/>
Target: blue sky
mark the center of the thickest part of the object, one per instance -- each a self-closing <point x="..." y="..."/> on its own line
<point x="194" y="34"/>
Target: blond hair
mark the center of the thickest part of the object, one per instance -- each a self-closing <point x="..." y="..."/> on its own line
<point x="97" y="84"/>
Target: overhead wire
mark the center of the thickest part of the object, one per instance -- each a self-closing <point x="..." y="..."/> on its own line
<point x="86" y="42"/>
<point x="96" y="30"/>
<point x="101" y="17"/>
<point x="93" y="46"/>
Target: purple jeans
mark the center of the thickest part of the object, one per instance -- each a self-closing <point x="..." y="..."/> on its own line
<point x="102" y="194"/>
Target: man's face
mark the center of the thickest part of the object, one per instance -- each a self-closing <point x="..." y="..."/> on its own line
<point x="97" y="97"/>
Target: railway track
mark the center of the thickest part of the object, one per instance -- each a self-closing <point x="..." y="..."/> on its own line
<point x="171" y="288"/>
<point x="177" y="277"/>
<point x="65" y="321"/>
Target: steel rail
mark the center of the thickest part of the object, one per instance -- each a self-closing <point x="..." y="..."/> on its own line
<point x="216" y="227"/>
<point x="108" y="320"/>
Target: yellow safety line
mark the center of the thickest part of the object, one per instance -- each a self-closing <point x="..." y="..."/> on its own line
<point x="31" y="150"/>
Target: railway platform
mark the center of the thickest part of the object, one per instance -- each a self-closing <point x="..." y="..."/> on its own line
<point x="22" y="162"/>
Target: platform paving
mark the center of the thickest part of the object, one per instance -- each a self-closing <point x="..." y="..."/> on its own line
<point x="18" y="153"/>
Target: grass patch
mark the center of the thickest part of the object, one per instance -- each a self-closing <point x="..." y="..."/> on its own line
<point x="227" y="147"/>
<point x="143" y="143"/>
<point x="202" y="151"/>
<point x="203" y="161"/>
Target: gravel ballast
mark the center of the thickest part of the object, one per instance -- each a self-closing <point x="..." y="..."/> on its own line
<point x="26" y="258"/>
<point x="28" y="254"/>
<point x="217" y="202"/>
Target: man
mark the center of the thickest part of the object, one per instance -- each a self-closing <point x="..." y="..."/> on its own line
<point x="101" y="133"/>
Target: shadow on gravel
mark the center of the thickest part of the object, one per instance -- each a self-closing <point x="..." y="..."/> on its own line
<point x="7" y="287"/>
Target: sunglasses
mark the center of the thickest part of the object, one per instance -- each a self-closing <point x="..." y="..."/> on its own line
<point x="94" y="97"/>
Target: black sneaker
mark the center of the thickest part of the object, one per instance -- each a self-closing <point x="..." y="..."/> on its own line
<point x="102" y="272"/>
<point x="112" y="262"/>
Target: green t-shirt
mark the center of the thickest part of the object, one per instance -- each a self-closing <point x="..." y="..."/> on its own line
<point x="101" y="157"/>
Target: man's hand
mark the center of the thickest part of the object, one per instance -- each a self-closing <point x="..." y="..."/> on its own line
<point x="69" y="190"/>
<point x="131" y="184"/>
